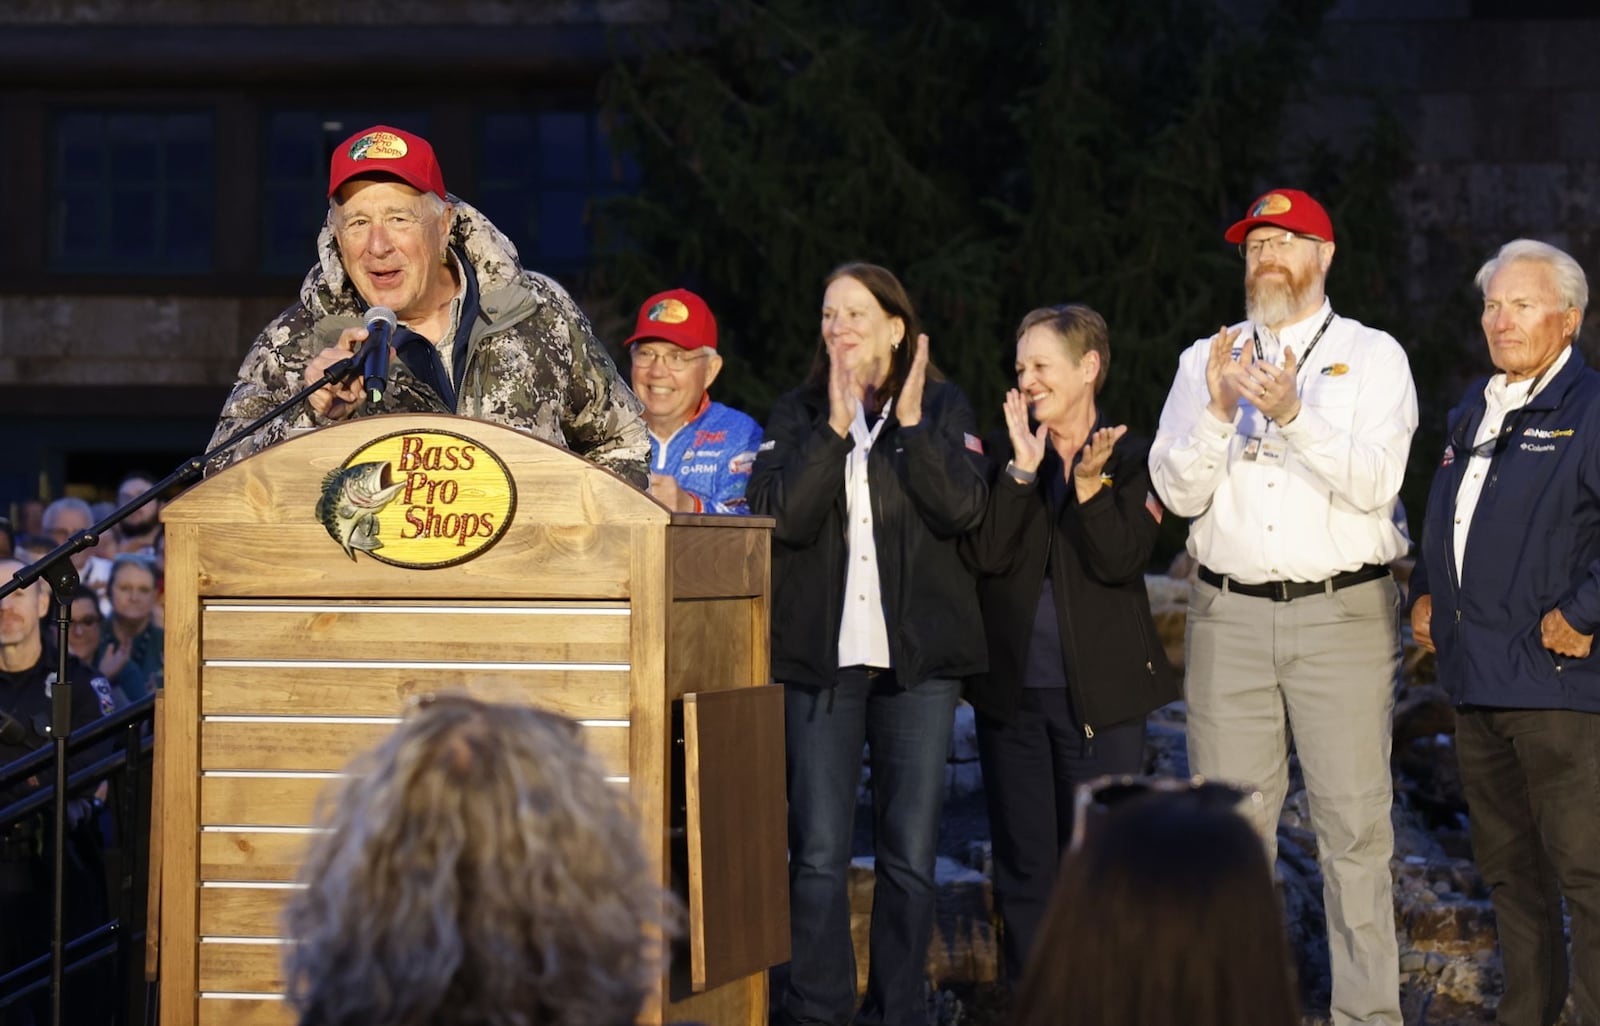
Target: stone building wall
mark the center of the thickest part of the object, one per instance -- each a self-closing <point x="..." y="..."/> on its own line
<point x="1499" y="116"/>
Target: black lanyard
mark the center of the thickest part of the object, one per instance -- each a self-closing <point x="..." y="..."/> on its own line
<point x="1305" y="357"/>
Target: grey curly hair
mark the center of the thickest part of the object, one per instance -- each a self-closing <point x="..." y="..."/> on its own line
<point x="476" y="869"/>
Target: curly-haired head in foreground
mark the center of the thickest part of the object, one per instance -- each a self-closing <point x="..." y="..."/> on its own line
<point x="476" y="869"/>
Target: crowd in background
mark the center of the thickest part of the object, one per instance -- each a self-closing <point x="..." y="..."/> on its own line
<point x="915" y="564"/>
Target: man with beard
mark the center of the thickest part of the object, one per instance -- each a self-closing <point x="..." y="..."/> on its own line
<point x="139" y="532"/>
<point x="1285" y="439"/>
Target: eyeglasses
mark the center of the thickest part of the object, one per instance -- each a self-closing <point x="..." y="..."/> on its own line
<point x="675" y="359"/>
<point x="1277" y="245"/>
<point x="1097" y="798"/>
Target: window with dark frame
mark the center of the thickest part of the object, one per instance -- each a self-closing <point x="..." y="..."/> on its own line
<point x="542" y="177"/>
<point x="132" y="191"/>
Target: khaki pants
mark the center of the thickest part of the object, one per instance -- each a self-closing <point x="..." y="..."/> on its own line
<point x="1326" y="665"/>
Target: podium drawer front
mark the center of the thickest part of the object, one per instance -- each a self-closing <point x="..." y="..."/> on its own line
<point x="283" y="687"/>
<point x="538" y="633"/>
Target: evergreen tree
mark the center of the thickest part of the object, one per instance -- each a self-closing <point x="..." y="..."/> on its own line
<point x="998" y="157"/>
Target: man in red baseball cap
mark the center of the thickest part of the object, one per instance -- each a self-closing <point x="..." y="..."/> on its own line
<point x="701" y="452"/>
<point x="478" y="335"/>
<point x="1285" y="439"/>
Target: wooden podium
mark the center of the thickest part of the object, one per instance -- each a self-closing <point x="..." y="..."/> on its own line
<point x="505" y="567"/>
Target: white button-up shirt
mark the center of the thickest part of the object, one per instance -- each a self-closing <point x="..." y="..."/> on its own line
<point x="1327" y="505"/>
<point x="863" y="634"/>
<point x="1500" y="399"/>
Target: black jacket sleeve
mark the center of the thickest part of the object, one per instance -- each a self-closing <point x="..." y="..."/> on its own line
<point x="994" y="547"/>
<point x="799" y="471"/>
<point x="1116" y="531"/>
<point x="946" y="479"/>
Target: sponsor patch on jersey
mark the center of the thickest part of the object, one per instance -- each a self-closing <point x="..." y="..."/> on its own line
<point x="1334" y="370"/>
<point x="102" y="691"/>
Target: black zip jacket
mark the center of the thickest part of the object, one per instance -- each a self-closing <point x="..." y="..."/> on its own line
<point x="928" y="489"/>
<point x="1097" y="553"/>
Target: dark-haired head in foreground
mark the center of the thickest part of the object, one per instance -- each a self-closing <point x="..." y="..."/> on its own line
<point x="477" y="869"/>
<point x="1166" y="916"/>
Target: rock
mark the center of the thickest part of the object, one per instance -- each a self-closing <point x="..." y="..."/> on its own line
<point x="1452" y="926"/>
<point x="1423" y="710"/>
<point x="1412" y="961"/>
<point x="1468" y="982"/>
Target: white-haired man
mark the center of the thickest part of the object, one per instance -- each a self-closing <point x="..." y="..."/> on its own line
<point x="1508" y="592"/>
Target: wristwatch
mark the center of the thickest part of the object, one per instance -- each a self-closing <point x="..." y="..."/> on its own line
<point x="1020" y="476"/>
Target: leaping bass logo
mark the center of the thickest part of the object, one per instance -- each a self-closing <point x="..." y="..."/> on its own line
<point x="418" y="499"/>
<point x="378" y="146"/>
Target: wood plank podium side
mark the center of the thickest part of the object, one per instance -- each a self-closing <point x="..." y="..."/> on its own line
<point x="284" y="657"/>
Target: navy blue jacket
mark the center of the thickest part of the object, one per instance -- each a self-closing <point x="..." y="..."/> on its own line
<point x="1534" y="545"/>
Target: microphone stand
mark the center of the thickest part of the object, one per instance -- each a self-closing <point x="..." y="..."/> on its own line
<point x="57" y="569"/>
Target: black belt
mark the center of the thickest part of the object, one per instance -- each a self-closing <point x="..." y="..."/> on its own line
<point x="1286" y="591"/>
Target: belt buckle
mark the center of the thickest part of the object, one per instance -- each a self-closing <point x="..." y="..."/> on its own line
<point x="1280" y="591"/>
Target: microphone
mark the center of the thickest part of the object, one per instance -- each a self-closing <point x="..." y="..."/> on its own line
<point x="381" y="325"/>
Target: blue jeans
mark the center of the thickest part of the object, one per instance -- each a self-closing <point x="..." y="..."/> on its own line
<point x="908" y="732"/>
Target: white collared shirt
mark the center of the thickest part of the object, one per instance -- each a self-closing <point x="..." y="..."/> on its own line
<point x="863" y="633"/>
<point x="1327" y="505"/>
<point x="1500" y="399"/>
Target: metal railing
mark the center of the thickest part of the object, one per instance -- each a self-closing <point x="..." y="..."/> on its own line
<point x="115" y="751"/>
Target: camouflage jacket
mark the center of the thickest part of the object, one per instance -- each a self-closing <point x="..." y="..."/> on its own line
<point x="532" y="362"/>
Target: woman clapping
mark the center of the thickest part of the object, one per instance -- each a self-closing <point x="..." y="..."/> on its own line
<point x="1074" y="664"/>
<point x="873" y="472"/>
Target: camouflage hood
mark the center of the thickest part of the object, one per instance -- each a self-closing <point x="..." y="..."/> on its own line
<point x="327" y="291"/>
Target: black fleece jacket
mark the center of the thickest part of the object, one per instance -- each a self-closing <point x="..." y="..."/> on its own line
<point x="1097" y="553"/>
<point x="928" y="489"/>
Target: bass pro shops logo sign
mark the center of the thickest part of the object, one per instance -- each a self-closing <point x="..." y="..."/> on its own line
<point x="418" y="499"/>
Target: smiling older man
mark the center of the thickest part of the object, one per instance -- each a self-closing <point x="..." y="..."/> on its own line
<point x="701" y="452"/>
<point x="1508" y="588"/>
<point x="479" y="335"/>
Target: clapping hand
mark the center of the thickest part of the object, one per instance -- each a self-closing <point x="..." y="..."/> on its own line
<point x="1223" y="381"/>
<point x="1027" y="447"/>
<point x="908" y="407"/>
<point x="844" y="395"/>
<point x="1274" y="390"/>
<point x="1086" y="475"/>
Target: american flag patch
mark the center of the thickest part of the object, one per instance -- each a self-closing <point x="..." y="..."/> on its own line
<point x="973" y="442"/>
<point x="1153" y="504"/>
